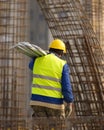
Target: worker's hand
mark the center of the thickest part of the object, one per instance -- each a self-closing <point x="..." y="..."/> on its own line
<point x="68" y="110"/>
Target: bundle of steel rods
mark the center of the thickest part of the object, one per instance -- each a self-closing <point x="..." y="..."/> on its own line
<point x="28" y="49"/>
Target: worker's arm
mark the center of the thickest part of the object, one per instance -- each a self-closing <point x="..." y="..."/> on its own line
<point x="31" y="63"/>
<point x="67" y="89"/>
<point x="66" y="85"/>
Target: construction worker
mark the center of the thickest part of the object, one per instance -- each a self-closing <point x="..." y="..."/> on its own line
<point x="51" y="85"/>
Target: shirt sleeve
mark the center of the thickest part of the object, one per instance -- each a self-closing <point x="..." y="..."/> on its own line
<point x="66" y="85"/>
<point x="31" y="63"/>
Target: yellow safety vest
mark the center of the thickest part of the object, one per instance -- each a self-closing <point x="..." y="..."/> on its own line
<point x="47" y="73"/>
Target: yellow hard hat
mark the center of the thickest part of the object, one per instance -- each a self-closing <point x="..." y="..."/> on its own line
<point x="58" y="44"/>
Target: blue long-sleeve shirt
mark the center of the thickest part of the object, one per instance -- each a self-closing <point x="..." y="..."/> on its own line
<point x="65" y="81"/>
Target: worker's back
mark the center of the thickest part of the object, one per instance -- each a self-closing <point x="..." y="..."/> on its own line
<point x="46" y="85"/>
<point x="50" y="65"/>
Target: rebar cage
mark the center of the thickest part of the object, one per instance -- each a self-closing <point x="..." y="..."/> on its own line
<point x="75" y="22"/>
<point x="13" y="25"/>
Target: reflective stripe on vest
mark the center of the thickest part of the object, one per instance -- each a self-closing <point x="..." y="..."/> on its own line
<point x="47" y="77"/>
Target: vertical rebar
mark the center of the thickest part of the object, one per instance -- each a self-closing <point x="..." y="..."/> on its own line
<point x="13" y="28"/>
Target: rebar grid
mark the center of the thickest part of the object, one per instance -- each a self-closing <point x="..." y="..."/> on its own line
<point x="96" y="10"/>
<point x="86" y="123"/>
<point x="49" y="124"/>
<point x="68" y="21"/>
<point x="13" y="15"/>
